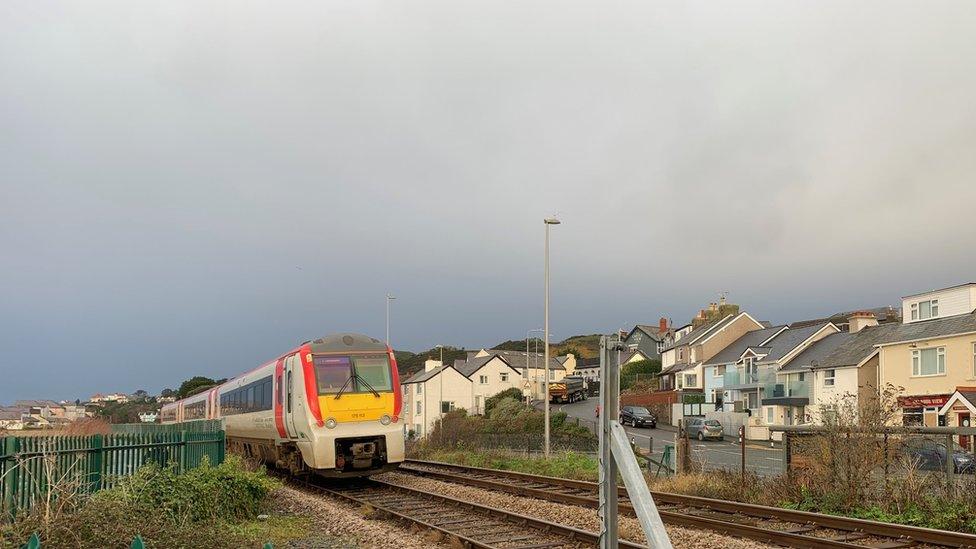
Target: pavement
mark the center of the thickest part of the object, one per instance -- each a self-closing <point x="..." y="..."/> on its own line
<point x="718" y="454"/>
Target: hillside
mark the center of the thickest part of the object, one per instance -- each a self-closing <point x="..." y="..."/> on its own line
<point x="583" y="346"/>
<point x="409" y="363"/>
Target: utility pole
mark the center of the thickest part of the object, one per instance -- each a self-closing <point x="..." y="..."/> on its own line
<point x="545" y="359"/>
<point x="389" y="298"/>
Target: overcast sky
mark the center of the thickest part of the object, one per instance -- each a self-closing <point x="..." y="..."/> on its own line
<point x="195" y="187"/>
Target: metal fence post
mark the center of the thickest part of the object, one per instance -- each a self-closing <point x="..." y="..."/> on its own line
<point x="787" y="453"/>
<point x="183" y="452"/>
<point x="96" y="458"/>
<point x="950" y="467"/>
<point x="742" y="450"/>
<point x="11" y="473"/>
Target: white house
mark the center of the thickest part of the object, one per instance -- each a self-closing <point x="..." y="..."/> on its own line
<point x="489" y="376"/>
<point x="432" y="392"/>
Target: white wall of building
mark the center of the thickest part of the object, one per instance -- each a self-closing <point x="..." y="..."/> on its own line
<point x="492" y="378"/>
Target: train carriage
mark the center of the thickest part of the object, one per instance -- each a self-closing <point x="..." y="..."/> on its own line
<point x="332" y="406"/>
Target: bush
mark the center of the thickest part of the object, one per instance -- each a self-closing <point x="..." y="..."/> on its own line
<point x="513" y="393"/>
<point x="204" y="507"/>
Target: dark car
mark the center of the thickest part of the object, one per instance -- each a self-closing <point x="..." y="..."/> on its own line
<point x="930" y="455"/>
<point x="637" y="416"/>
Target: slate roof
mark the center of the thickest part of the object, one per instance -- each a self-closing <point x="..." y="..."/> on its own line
<point x="700" y="332"/>
<point x="424" y="375"/>
<point x="784" y="343"/>
<point x="734" y="350"/>
<point x="518" y="359"/>
<point x="588" y="362"/>
<point x="859" y="346"/>
<point x="883" y="314"/>
<point x="11" y="413"/>
<point x="652" y="330"/>
<point x="937" y="327"/>
<point x="817" y="352"/>
<point x="470" y="367"/>
<point x="37" y="403"/>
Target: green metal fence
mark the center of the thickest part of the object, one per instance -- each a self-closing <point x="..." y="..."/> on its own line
<point x="32" y="468"/>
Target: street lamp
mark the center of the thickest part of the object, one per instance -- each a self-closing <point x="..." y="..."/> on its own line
<point x="389" y="298"/>
<point x="547" y="222"/>
<point x="440" y="405"/>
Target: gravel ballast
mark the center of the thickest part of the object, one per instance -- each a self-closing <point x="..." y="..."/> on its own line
<point x="570" y="515"/>
<point x="338" y="524"/>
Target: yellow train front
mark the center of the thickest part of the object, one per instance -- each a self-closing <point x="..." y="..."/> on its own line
<point x="330" y="407"/>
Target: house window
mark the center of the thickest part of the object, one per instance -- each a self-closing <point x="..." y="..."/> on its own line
<point x="691" y="380"/>
<point x="829" y="377"/>
<point x="446" y="406"/>
<point x="925" y="309"/>
<point x="800" y="376"/>
<point x="928" y="362"/>
<point x="418" y="429"/>
<point x="752" y="400"/>
<point x="974" y="359"/>
<point x="420" y="388"/>
<point x="483" y="380"/>
<point x="552" y="375"/>
<point x="681" y="353"/>
<point x="769" y="414"/>
<point x="719" y="371"/>
<point x="504" y="377"/>
<point x="418" y="407"/>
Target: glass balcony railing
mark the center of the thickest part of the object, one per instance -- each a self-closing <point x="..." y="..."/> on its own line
<point x="786" y="388"/>
<point x="754" y="378"/>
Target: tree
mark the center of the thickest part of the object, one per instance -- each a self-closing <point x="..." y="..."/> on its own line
<point x="167" y="392"/>
<point x="639" y="370"/>
<point x="196" y="384"/>
<point x="141" y="395"/>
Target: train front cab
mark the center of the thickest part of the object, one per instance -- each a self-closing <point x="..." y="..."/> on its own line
<point x="340" y="402"/>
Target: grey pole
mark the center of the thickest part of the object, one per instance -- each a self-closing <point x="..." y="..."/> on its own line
<point x="440" y="405"/>
<point x="545" y="344"/>
<point x="608" y="467"/>
<point x="389" y="298"/>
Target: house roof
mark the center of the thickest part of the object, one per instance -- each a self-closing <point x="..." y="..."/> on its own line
<point x="588" y="363"/>
<point x="941" y="289"/>
<point x="788" y="340"/>
<point x="734" y="350"/>
<point x="817" y="352"/>
<point x="37" y="403"/>
<point x="425" y="375"/>
<point x="470" y="367"/>
<point x="701" y="331"/>
<point x="652" y="330"/>
<point x="926" y="329"/>
<point x="10" y="413"/>
<point x="518" y="359"/>
<point x="883" y="314"/>
<point x="858" y="347"/>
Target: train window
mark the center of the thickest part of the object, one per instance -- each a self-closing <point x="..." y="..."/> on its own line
<point x="289" y="391"/>
<point x="278" y="390"/>
<point x="332" y="373"/>
<point x="373" y="371"/>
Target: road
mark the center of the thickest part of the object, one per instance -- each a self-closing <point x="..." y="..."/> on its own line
<point x="712" y="454"/>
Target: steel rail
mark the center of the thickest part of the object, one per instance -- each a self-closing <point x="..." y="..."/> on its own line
<point x="542" y="528"/>
<point x="902" y="534"/>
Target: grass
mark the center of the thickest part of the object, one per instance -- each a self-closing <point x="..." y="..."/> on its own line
<point x="929" y="511"/>
<point x="566" y="465"/>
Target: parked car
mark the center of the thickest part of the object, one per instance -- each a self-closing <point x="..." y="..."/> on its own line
<point x="701" y="428"/>
<point x="637" y="416"/>
<point x="930" y="455"/>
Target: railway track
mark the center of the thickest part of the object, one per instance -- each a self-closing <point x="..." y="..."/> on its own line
<point x="773" y="525"/>
<point x="463" y="523"/>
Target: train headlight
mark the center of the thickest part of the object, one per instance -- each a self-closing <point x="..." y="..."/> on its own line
<point x="385" y="420"/>
<point x="330" y="423"/>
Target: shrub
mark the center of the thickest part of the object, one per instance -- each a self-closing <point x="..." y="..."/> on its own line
<point x="513" y="393"/>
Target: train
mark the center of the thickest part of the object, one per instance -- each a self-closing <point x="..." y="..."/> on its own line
<point x="330" y="407"/>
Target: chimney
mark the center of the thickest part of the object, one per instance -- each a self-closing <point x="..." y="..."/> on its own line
<point x="431" y="364"/>
<point x="860" y="320"/>
<point x="662" y="325"/>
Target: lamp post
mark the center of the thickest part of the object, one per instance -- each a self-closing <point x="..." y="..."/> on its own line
<point x="526" y="375"/>
<point x="389" y="298"/>
<point x="547" y="222"/>
<point x="440" y="404"/>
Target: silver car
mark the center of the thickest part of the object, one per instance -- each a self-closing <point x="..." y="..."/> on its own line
<point x="701" y="428"/>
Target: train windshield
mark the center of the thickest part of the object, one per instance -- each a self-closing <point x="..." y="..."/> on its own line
<point x="357" y="374"/>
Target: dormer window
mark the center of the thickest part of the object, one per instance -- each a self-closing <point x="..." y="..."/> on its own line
<point x="923" y="310"/>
